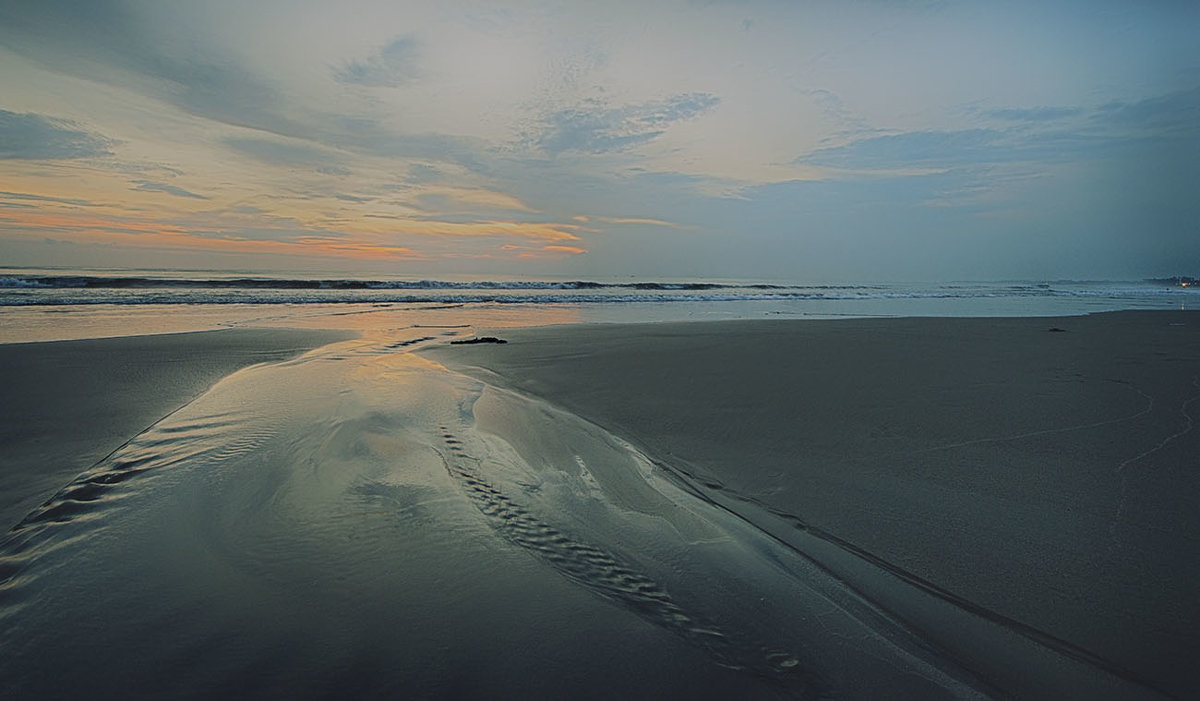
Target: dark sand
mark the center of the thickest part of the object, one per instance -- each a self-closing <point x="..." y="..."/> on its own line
<point x="66" y="404"/>
<point x="1023" y="498"/>
<point x="340" y="526"/>
<point x="1018" y="494"/>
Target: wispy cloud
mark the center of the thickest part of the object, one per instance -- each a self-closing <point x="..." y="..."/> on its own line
<point x="1040" y="136"/>
<point x="33" y="136"/>
<point x="835" y="109"/>
<point x="159" y="235"/>
<point x="636" y="221"/>
<point x="501" y="229"/>
<point x="112" y="42"/>
<point x="293" y="154"/>
<point x="541" y="252"/>
<point x="594" y="127"/>
<point x="1035" y="114"/>
<point x="423" y="173"/>
<point x="445" y="198"/>
<point x="1173" y="111"/>
<point x="911" y="149"/>
<point x="25" y="196"/>
<point x="150" y="186"/>
<point x="392" y="66"/>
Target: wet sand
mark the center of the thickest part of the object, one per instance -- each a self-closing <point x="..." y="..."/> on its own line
<point x="344" y="525"/>
<point x="901" y="508"/>
<point x="66" y="404"/>
<point x="1024" y="497"/>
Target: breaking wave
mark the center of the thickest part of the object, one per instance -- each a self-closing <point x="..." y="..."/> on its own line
<point x="20" y="289"/>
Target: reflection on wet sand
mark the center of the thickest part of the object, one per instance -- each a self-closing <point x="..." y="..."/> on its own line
<point x="302" y="522"/>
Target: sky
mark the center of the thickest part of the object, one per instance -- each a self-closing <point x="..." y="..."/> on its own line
<point x="804" y="141"/>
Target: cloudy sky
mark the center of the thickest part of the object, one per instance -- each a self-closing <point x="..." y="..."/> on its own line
<point x="806" y="141"/>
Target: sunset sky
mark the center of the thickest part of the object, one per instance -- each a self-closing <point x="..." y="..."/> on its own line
<point x="775" y="140"/>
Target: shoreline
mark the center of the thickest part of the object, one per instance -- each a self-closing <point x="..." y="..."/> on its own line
<point x="1037" y="477"/>
<point x="66" y="404"/>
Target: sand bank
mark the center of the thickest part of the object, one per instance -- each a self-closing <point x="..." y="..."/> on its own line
<point x="1034" y="478"/>
<point x="64" y="405"/>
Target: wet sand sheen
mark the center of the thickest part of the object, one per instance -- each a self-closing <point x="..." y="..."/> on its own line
<point x="1022" y="496"/>
<point x="66" y="404"/>
<point x="361" y="521"/>
<point x="337" y="524"/>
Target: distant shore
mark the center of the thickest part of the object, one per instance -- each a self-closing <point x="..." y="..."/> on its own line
<point x="1036" y="473"/>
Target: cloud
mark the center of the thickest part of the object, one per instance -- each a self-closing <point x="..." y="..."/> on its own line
<point x="593" y="127"/>
<point x="149" y="186"/>
<point x="1035" y="114"/>
<point x="393" y="66"/>
<point x="836" y="110"/>
<point x="637" y="221"/>
<point x="221" y="90"/>
<point x="464" y="200"/>
<point x="36" y="137"/>
<point x="1176" y="110"/>
<point x="570" y="250"/>
<point x="136" y="48"/>
<point x="445" y="228"/>
<point x="111" y="42"/>
<point x="372" y="138"/>
<point x="202" y="234"/>
<point x="43" y="198"/>
<point x="284" y="153"/>
<point x="1117" y="129"/>
<point x="540" y="252"/>
<point x="419" y="173"/>
<point x="911" y="149"/>
<point x="317" y="104"/>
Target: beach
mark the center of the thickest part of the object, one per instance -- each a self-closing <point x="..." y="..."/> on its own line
<point x="818" y="351"/>
<point x="855" y="508"/>
<point x="1038" y="472"/>
<point x="67" y="404"/>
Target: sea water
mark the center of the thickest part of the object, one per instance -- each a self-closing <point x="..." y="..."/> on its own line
<point x="37" y="304"/>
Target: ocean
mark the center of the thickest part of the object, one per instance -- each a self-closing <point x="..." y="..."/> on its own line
<point x="214" y="294"/>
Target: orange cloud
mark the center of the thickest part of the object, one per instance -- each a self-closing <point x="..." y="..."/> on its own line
<point x="638" y="220"/>
<point x="292" y="226"/>
<point x="533" y="230"/>
<point x="542" y="252"/>
<point x="150" y="234"/>
<point x="479" y="196"/>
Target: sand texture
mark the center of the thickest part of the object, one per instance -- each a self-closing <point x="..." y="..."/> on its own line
<point x="64" y="405"/>
<point x="854" y="509"/>
<point x="360" y="522"/>
<point x="986" y="479"/>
